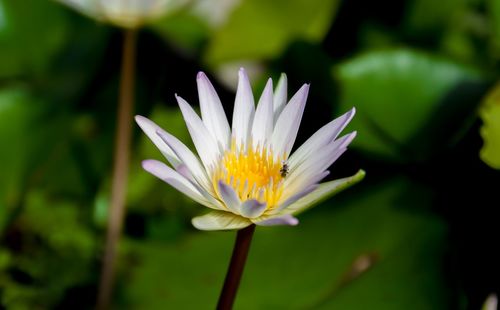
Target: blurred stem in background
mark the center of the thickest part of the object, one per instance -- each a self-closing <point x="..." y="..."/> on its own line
<point x="236" y="266"/>
<point x="120" y="169"/>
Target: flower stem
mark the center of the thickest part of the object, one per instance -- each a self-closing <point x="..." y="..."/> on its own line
<point x="235" y="270"/>
<point x="120" y="169"/>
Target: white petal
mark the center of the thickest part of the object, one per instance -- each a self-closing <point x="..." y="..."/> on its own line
<point x="295" y="197"/>
<point x="288" y="123"/>
<point x="320" y="138"/>
<point x="345" y="140"/>
<point x="220" y="220"/>
<point x="323" y="192"/>
<point x="212" y="111"/>
<point x="262" y="128"/>
<point x="188" y="158"/>
<point x="253" y="208"/>
<point x="300" y="176"/>
<point x="203" y="141"/>
<point x="309" y="172"/>
<point x="176" y="180"/>
<point x="280" y="97"/>
<point x="244" y="110"/>
<point x="286" y="219"/>
<point x="150" y="129"/>
<point x="229" y="197"/>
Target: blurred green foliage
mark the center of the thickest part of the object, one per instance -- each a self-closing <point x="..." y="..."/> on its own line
<point x="418" y="72"/>
<point x="490" y="131"/>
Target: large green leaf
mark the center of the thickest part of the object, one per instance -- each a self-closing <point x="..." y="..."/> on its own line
<point x="31" y="34"/>
<point x="262" y="29"/>
<point x="307" y="266"/>
<point x="397" y="94"/>
<point x="490" y="131"/>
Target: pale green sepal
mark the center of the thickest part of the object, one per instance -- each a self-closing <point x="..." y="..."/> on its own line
<point x="220" y="220"/>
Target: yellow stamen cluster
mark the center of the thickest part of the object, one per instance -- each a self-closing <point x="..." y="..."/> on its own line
<point x="253" y="173"/>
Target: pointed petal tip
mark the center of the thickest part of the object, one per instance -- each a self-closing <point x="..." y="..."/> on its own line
<point x="352" y="135"/>
<point x="283" y="78"/>
<point x="201" y="75"/>
<point x="139" y="119"/>
<point x="180" y="100"/>
<point x="305" y="88"/>
<point x="149" y="164"/>
<point x="346" y="139"/>
<point x="242" y="73"/>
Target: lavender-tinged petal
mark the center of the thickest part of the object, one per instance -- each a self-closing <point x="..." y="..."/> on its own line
<point x="207" y="193"/>
<point x="177" y="181"/>
<point x="320" y="138"/>
<point x="286" y="219"/>
<point x="229" y="197"/>
<point x="296" y="197"/>
<point x="150" y="129"/>
<point x="204" y="143"/>
<point x="188" y="158"/>
<point x="318" y="162"/>
<point x="253" y="208"/>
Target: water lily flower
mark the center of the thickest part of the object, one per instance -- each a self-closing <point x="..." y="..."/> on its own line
<point x="245" y="173"/>
<point x="122" y="13"/>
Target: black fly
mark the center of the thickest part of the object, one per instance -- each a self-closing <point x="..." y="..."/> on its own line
<point x="284" y="170"/>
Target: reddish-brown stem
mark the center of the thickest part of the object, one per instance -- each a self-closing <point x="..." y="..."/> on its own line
<point x="120" y="169"/>
<point x="236" y="266"/>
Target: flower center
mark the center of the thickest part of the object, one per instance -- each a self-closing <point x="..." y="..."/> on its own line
<point x="253" y="173"/>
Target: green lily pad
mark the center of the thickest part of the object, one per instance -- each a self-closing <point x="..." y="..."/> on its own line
<point x="397" y="93"/>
